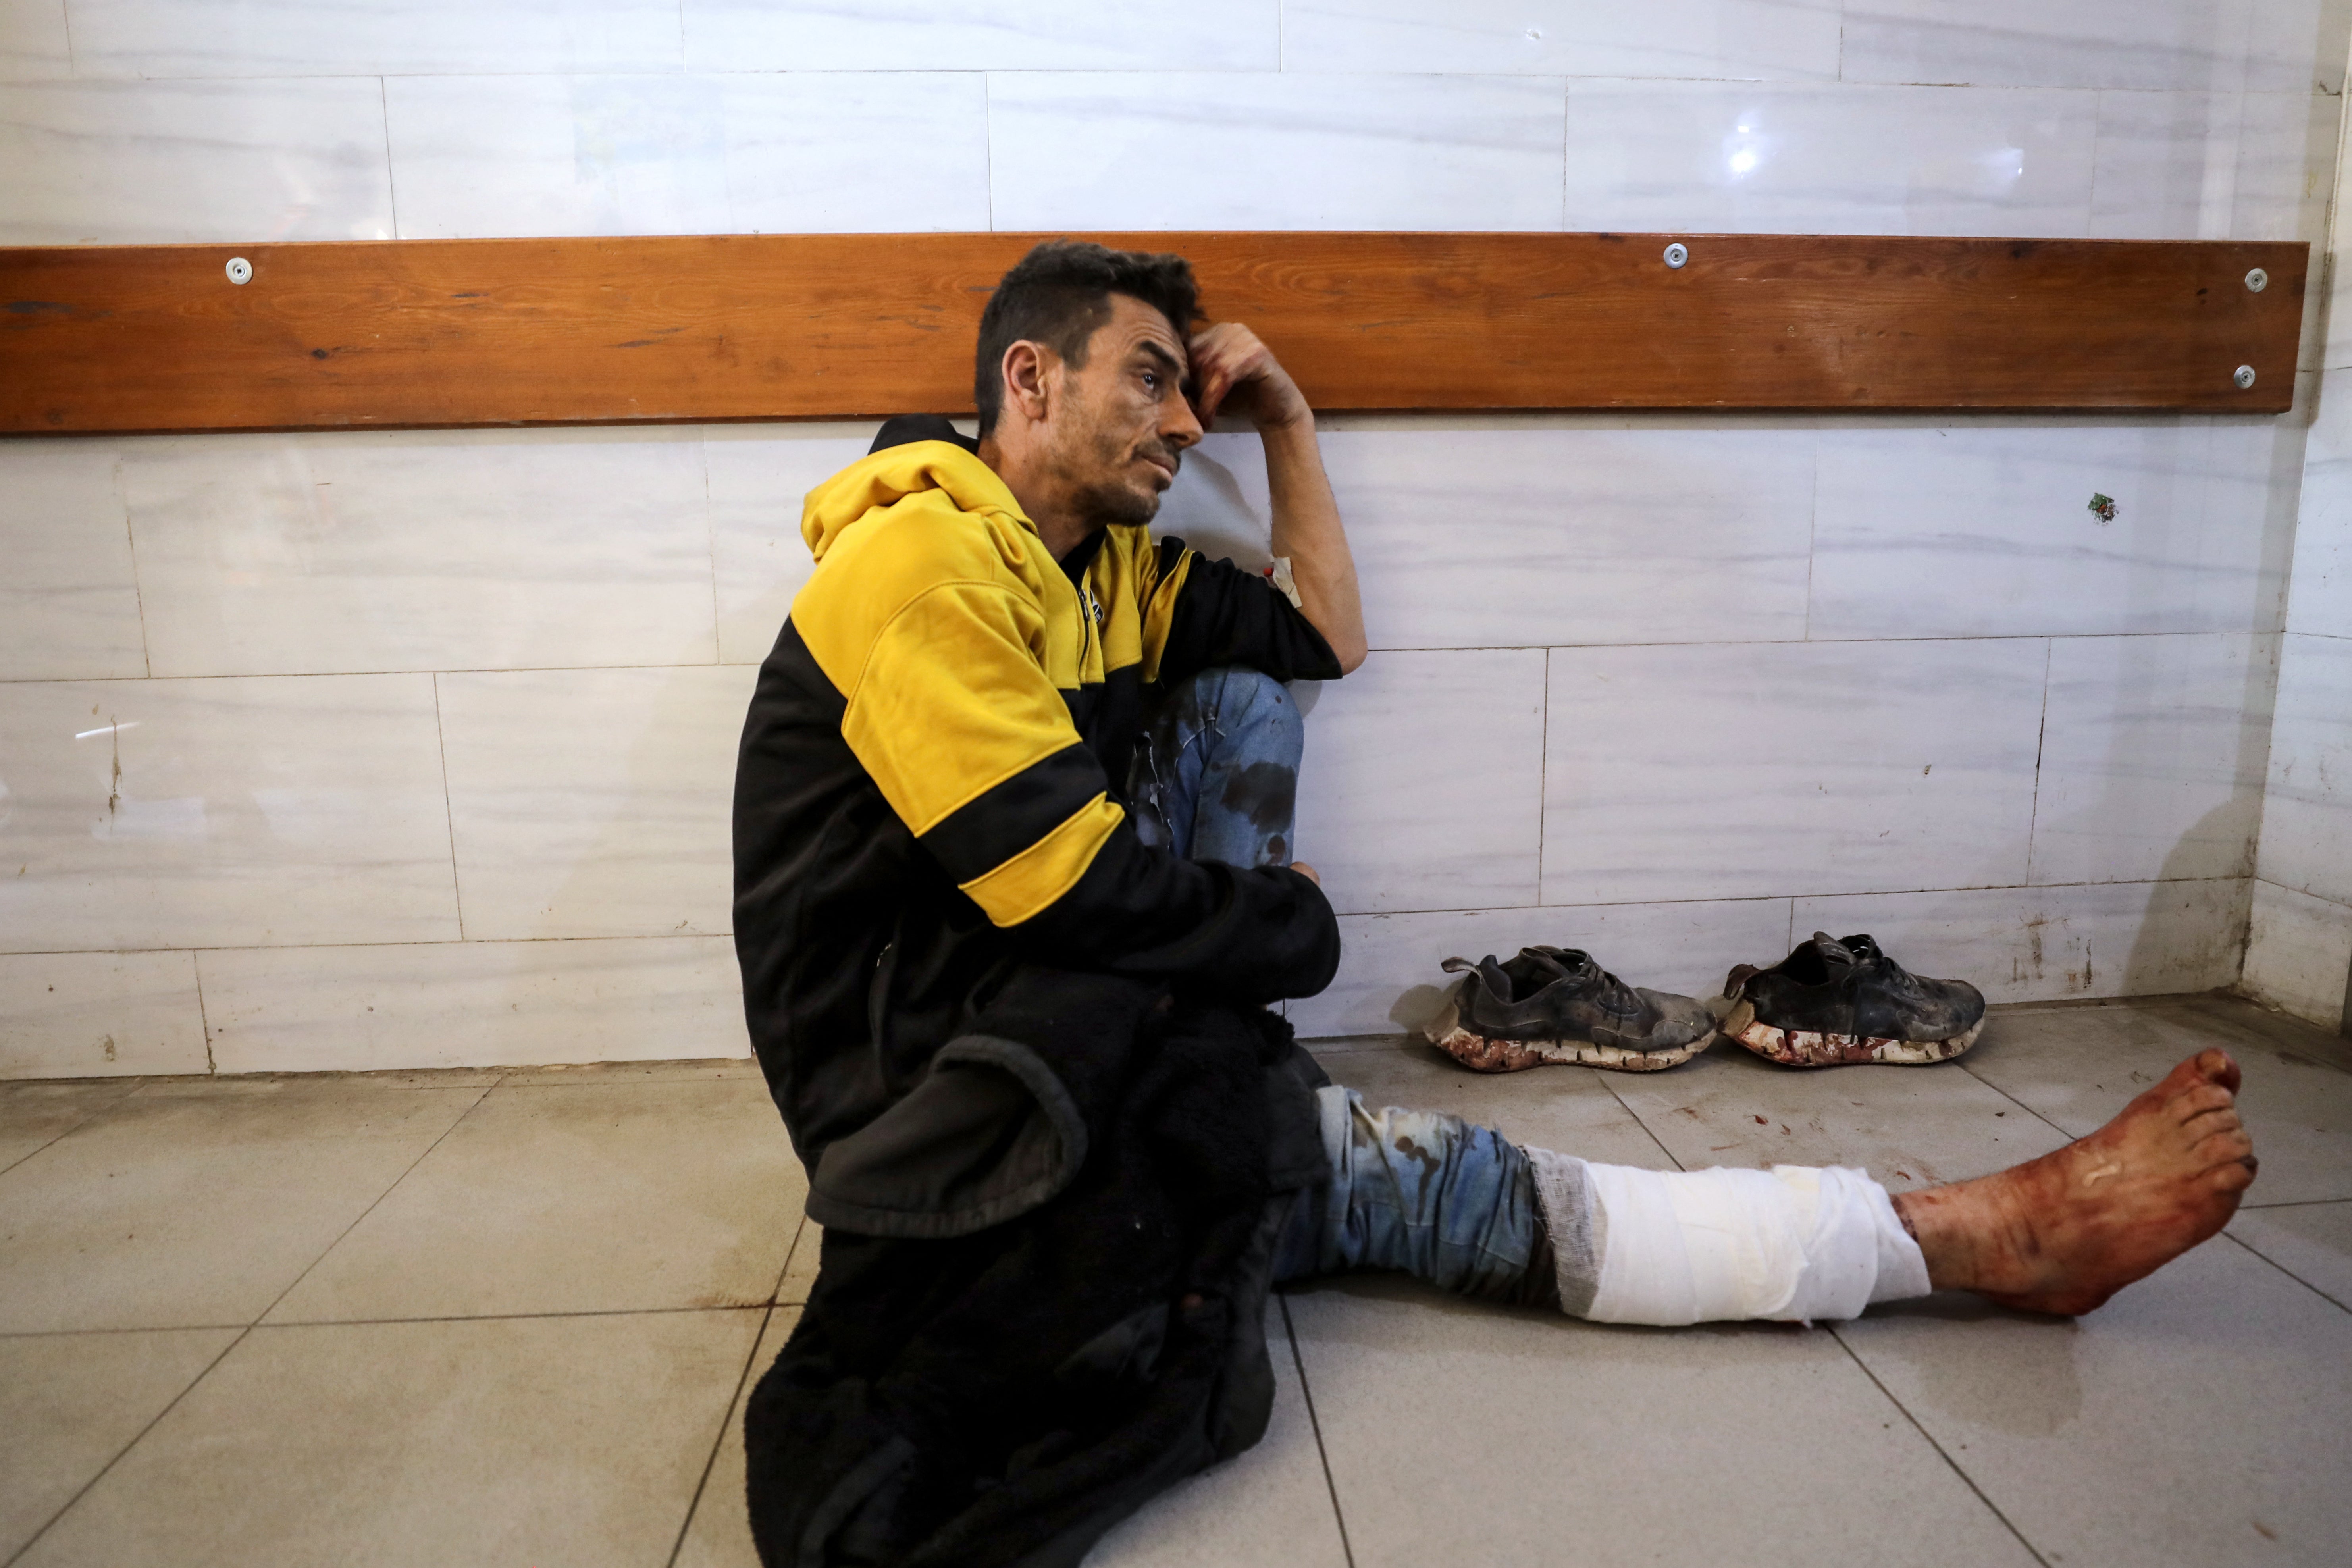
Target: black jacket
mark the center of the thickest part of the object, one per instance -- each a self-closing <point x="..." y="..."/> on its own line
<point x="1050" y="1128"/>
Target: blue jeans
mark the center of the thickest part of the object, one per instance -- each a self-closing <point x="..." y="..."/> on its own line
<point x="1420" y="1191"/>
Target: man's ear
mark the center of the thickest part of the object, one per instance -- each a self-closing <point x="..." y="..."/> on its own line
<point x="1028" y="376"/>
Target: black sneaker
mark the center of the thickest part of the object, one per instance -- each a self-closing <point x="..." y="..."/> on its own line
<point x="1830" y="1002"/>
<point x="1555" y="1006"/>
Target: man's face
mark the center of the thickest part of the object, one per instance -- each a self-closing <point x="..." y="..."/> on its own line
<point x="1124" y="419"/>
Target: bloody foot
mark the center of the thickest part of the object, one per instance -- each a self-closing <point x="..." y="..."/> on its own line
<point x="2064" y="1233"/>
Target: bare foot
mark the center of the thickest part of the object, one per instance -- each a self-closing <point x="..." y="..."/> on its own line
<point x="2064" y="1233"/>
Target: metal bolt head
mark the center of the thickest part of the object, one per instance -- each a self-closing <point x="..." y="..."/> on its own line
<point x="240" y="270"/>
<point x="2257" y="280"/>
<point x="2244" y="376"/>
<point x="1677" y="253"/>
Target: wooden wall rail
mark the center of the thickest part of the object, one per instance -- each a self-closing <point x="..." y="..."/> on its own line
<point x="528" y="331"/>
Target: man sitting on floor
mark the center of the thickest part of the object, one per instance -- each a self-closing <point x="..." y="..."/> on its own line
<point x="1014" y="887"/>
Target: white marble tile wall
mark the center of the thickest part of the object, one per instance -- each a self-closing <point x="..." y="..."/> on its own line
<point x="1986" y="528"/>
<point x="69" y="598"/>
<point x="425" y="739"/>
<point x="1680" y="772"/>
<point x="1427" y="788"/>
<point x="1273" y="151"/>
<point x="472" y="1004"/>
<point x="370" y="38"/>
<point x="2306" y="844"/>
<point x="124" y="163"/>
<point x="2299" y="955"/>
<point x="2153" y="750"/>
<point x="445" y="550"/>
<point x="593" y="802"/>
<point x="100" y="1014"/>
<point x="150" y="814"/>
<point x="984" y="35"/>
<point x="2155" y="44"/>
<point x="1762" y="39"/>
<point x="807" y="152"/>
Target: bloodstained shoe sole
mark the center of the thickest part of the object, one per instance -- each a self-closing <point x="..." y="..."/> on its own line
<point x="1481" y="1054"/>
<point x="1808" y="1049"/>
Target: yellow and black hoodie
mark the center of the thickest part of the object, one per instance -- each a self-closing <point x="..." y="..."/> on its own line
<point x="929" y="790"/>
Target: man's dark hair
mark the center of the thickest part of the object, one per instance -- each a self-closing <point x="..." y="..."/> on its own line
<point x="1059" y="293"/>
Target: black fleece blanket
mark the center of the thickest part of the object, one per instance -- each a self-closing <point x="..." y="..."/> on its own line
<point x="1006" y="1395"/>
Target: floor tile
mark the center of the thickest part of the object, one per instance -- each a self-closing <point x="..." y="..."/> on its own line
<point x="1267" y="1508"/>
<point x="2077" y="1066"/>
<point x="615" y="1198"/>
<point x="720" y="1534"/>
<point x="2198" y="1419"/>
<point x="1564" y="1107"/>
<point x="800" y="1268"/>
<point x="36" y="1112"/>
<point x="566" y="1440"/>
<point x="70" y="1403"/>
<point x="2311" y="1241"/>
<point x="186" y="1208"/>
<point x="1462" y="1433"/>
<point x="1908" y="1127"/>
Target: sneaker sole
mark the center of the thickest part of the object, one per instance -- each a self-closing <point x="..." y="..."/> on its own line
<point x="1806" y="1048"/>
<point x="1480" y="1054"/>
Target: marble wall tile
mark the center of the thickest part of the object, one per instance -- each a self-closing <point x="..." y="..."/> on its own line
<point x="339" y="37"/>
<point x="1986" y="530"/>
<point x="1742" y="39"/>
<point x="2171" y="45"/>
<point x="2152" y="757"/>
<point x="422" y="550"/>
<point x="2039" y="944"/>
<point x="34" y="43"/>
<point x="2299" y="954"/>
<point x="502" y="1004"/>
<point x="758" y="475"/>
<point x="2307" y="842"/>
<point x="149" y="163"/>
<point x="1756" y="770"/>
<point x="2213" y="165"/>
<point x="2319" y="589"/>
<point x="1574" y="533"/>
<point x="69" y="596"/>
<point x="100" y="1014"/>
<point x="1422" y="787"/>
<point x="984" y="35"/>
<point x="594" y="801"/>
<point x="1729" y="157"/>
<point x="246" y="812"/>
<point x="807" y="152"/>
<point x="1389" y="979"/>
<point x="1276" y="152"/>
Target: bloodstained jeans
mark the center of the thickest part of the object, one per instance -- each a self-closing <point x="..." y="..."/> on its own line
<point x="1216" y="778"/>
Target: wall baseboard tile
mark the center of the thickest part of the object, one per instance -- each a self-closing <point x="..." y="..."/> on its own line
<point x="100" y="1014"/>
<point x="2299" y="958"/>
<point x="473" y="1004"/>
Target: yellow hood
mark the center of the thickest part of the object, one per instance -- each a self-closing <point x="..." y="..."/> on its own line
<point x="889" y="476"/>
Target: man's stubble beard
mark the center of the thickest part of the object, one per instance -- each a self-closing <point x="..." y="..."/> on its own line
<point x="1107" y="504"/>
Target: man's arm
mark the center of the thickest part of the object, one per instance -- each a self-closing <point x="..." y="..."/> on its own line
<point x="1232" y="368"/>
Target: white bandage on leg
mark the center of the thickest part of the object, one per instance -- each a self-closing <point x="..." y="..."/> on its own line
<point x="1792" y="1243"/>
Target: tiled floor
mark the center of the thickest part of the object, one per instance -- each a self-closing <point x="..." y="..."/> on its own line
<point x="505" y="1318"/>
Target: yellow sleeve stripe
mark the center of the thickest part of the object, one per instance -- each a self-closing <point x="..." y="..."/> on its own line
<point x="1025" y="886"/>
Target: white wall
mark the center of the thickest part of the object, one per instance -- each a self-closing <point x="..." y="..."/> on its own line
<point x="2300" y="957"/>
<point x="373" y="750"/>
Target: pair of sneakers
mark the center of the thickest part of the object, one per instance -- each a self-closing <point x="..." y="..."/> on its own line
<point x="1829" y="1003"/>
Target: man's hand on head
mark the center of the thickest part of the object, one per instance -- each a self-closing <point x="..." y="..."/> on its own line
<point x="1304" y="869"/>
<point x="1231" y="368"/>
